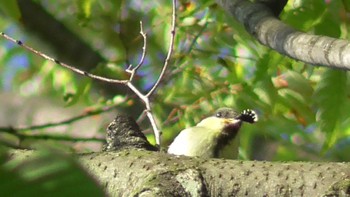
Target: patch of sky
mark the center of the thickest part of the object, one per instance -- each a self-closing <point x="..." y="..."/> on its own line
<point x="16" y="64"/>
<point x="310" y="128"/>
<point x="144" y="6"/>
<point x="285" y="136"/>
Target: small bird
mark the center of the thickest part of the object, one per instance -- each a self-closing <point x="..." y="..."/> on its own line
<point x="214" y="137"/>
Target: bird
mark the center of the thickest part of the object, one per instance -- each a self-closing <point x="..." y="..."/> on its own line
<point x="216" y="136"/>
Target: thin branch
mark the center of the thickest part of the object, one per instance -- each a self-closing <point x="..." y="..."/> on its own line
<point x="20" y="43"/>
<point x="143" y="48"/>
<point x="59" y="138"/>
<point x="148" y="110"/>
<point x="128" y="83"/>
<point x="145" y="98"/>
<point x="136" y="91"/>
<point x="196" y="37"/>
<point x="64" y="122"/>
<point x="170" y="51"/>
<point x="141" y="117"/>
<point x="157" y="132"/>
<point x="131" y="70"/>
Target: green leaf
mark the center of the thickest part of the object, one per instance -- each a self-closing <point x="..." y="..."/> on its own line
<point x="84" y="86"/>
<point x="267" y="92"/>
<point x="330" y="96"/>
<point x="84" y="10"/>
<point x="10" y="8"/>
<point x="299" y="83"/>
<point x="346" y="4"/>
<point x="329" y="25"/>
<point x="298" y="104"/>
<point x="305" y="14"/>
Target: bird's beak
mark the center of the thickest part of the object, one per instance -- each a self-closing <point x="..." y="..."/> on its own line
<point x="231" y="121"/>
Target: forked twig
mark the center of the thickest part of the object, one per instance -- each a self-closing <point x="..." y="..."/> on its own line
<point x="132" y="70"/>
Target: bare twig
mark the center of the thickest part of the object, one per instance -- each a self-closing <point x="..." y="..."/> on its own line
<point x="141" y="117"/>
<point x="170" y="51"/>
<point x="131" y="70"/>
<point x="144" y="97"/>
<point x="143" y="48"/>
<point x="61" y="63"/>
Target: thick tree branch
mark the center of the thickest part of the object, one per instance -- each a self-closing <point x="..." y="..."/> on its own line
<point x="160" y="174"/>
<point x="270" y="31"/>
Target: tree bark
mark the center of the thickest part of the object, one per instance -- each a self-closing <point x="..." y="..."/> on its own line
<point x="136" y="172"/>
<point x="260" y="21"/>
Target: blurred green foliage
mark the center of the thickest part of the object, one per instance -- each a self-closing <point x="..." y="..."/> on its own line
<point x="303" y="109"/>
<point x="46" y="173"/>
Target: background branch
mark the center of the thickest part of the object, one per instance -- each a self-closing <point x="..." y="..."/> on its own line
<point x="270" y="31"/>
<point x="59" y="123"/>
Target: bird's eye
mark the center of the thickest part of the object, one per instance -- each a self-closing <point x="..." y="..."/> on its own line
<point x="219" y="114"/>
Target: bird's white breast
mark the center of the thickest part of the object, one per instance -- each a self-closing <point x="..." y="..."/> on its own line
<point x="215" y="136"/>
<point x="193" y="142"/>
<point x="198" y="140"/>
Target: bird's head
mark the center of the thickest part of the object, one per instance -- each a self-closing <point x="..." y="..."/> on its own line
<point x="229" y="130"/>
<point x="226" y="119"/>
